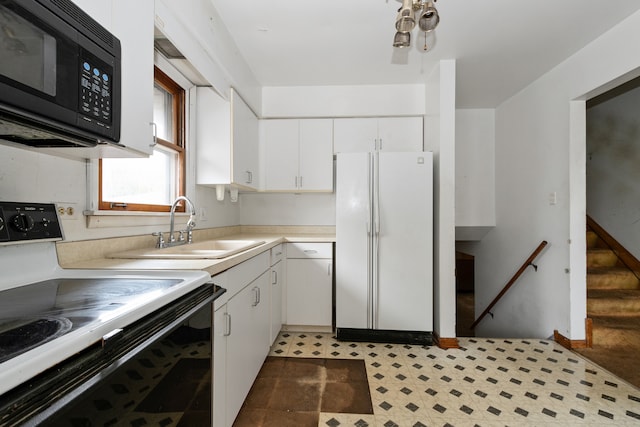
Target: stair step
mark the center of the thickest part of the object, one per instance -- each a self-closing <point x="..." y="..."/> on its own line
<point x="592" y="239"/>
<point x="601" y="258"/>
<point x="619" y="302"/>
<point x="616" y="331"/>
<point x="611" y="278"/>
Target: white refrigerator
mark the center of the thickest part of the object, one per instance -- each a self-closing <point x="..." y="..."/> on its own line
<point x="384" y="246"/>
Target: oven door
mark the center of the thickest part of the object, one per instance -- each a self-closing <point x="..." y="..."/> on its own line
<point x="52" y="76"/>
<point x="157" y="370"/>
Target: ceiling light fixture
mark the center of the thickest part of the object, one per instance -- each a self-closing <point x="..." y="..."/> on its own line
<point x="423" y="12"/>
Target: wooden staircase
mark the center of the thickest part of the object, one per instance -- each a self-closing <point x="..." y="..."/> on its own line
<point x="613" y="304"/>
<point x="613" y="288"/>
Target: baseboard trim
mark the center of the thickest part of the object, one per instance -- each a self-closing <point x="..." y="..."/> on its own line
<point x="445" y="343"/>
<point x="571" y="344"/>
<point x="384" y="336"/>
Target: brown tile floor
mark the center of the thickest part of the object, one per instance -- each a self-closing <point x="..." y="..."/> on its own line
<point x="293" y="391"/>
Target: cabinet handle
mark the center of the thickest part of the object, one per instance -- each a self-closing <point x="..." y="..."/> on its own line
<point x="256" y="296"/>
<point x="227" y="325"/>
<point x="275" y="278"/>
<point x="329" y="269"/>
<point x="249" y="177"/>
<point x="380" y="144"/>
<point x="295" y="182"/>
<point x="300" y="181"/>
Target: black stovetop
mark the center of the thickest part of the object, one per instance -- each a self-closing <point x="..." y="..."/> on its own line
<point x="34" y="314"/>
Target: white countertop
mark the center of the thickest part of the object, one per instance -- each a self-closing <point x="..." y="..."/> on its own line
<point x="212" y="266"/>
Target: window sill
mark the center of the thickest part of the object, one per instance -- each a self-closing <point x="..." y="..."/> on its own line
<point x="113" y="219"/>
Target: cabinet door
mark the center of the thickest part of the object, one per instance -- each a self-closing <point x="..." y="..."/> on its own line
<point x="137" y="71"/>
<point x="213" y="138"/>
<point x="309" y="291"/>
<point x="248" y="342"/>
<point x="220" y="332"/>
<point x="316" y="155"/>
<point x="400" y="134"/>
<point x="354" y="135"/>
<point x="281" y="154"/>
<point x="276" y="300"/>
<point x="245" y="143"/>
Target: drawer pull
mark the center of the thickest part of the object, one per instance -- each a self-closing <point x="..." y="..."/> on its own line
<point x="310" y="251"/>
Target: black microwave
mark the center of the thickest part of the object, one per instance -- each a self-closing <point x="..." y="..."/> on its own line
<point x="59" y="76"/>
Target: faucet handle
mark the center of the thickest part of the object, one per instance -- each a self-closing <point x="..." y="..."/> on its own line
<point x="160" y="243"/>
<point x="181" y="236"/>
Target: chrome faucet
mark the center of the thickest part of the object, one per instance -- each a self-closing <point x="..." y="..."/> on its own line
<point x="189" y="230"/>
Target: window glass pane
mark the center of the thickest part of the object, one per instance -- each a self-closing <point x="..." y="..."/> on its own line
<point x="163" y="113"/>
<point x="150" y="180"/>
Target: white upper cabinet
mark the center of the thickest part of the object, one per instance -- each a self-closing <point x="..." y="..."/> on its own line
<point x="298" y="155"/>
<point x="227" y="141"/>
<point x="137" y="71"/>
<point x="361" y="135"/>
<point x="244" y="140"/>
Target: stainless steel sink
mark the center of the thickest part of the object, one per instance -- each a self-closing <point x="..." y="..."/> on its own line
<point x="208" y="249"/>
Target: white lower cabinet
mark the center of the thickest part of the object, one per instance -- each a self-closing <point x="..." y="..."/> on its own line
<point x="309" y="284"/>
<point x="241" y="334"/>
<point x="247" y="342"/>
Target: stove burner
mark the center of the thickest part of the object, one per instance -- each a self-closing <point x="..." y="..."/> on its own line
<point x="19" y="335"/>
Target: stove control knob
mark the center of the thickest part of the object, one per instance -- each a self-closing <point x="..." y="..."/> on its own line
<point x="22" y="222"/>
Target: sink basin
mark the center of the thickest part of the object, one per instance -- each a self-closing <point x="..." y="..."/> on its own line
<point x="208" y="249"/>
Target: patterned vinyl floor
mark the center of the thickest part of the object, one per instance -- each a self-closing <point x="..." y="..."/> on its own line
<point x="487" y="382"/>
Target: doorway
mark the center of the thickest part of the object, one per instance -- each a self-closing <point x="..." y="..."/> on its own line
<point x="465" y="294"/>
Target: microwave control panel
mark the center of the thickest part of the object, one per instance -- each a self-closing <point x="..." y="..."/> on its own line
<point x="95" y="91"/>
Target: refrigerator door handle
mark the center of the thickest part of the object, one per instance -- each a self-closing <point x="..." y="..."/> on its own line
<point x="370" y="237"/>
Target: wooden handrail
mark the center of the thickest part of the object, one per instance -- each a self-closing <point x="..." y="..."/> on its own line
<point x="515" y="277"/>
<point x="627" y="258"/>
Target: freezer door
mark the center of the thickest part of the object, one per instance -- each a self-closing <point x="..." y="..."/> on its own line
<point x="404" y="299"/>
<point x="353" y="229"/>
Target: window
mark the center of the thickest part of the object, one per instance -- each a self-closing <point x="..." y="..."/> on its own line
<point x="153" y="183"/>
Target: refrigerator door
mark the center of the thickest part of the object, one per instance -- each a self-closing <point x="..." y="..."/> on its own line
<point x="404" y="211"/>
<point x="353" y="230"/>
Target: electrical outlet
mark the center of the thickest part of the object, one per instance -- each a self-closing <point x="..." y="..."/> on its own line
<point x="202" y="214"/>
<point x="67" y="210"/>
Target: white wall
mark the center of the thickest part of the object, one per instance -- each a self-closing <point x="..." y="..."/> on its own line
<point x="439" y="122"/>
<point x="538" y="152"/>
<point x="475" y="171"/>
<point x="287" y="209"/>
<point x="613" y="172"/>
<point x="343" y="101"/>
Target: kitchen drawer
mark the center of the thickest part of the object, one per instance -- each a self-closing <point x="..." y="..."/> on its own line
<point x="309" y="250"/>
<point x="277" y="253"/>
<point x="244" y="273"/>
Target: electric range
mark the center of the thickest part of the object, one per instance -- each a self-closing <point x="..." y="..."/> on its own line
<point x="49" y="314"/>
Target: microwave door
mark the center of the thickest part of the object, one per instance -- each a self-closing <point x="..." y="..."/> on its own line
<point x="29" y="53"/>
